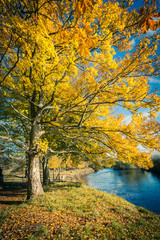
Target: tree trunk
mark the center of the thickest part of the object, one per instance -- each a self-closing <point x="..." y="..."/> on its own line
<point x="45" y="164"/>
<point x="34" y="180"/>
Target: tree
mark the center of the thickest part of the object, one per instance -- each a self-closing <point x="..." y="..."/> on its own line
<point x="60" y="74"/>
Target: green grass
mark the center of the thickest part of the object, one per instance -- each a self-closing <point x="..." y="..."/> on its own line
<point x="75" y="211"/>
<point x="3" y="216"/>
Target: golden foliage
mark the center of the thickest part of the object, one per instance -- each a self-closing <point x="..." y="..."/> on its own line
<point x="54" y="162"/>
<point x="61" y="71"/>
<point x="147" y="21"/>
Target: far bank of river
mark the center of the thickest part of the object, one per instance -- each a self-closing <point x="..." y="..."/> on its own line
<point x="75" y="175"/>
<point x="141" y="188"/>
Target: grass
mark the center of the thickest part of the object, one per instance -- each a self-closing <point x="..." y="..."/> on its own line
<point x="75" y="211"/>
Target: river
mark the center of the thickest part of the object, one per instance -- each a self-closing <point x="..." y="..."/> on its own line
<point x="141" y="188"/>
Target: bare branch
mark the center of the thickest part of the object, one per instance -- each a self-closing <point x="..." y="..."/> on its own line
<point x="14" y="142"/>
<point x="63" y="151"/>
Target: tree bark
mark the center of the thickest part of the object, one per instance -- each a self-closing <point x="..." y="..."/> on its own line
<point x="34" y="180"/>
<point x="45" y="164"/>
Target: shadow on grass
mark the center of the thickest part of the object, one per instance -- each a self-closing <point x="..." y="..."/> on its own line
<point x="9" y="193"/>
<point x="61" y="185"/>
<point x="11" y="202"/>
<point x="14" y="185"/>
<point x="12" y="194"/>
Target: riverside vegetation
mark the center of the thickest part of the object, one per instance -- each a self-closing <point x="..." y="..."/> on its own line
<point x="74" y="211"/>
<point x="124" y="166"/>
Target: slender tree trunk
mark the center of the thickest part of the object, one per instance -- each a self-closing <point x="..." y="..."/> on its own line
<point x="45" y="164"/>
<point x="27" y="162"/>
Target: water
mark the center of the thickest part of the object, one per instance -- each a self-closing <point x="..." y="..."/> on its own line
<point x="141" y="188"/>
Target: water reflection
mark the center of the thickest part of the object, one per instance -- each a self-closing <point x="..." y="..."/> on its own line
<point x="142" y="188"/>
<point x="132" y="176"/>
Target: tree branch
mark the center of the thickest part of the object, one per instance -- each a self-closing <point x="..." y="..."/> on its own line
<point x="14" y="142"/>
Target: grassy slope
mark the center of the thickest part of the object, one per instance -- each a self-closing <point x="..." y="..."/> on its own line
<point x="75" y="211"/>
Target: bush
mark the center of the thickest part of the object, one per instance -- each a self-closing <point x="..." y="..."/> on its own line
<point x="123" y="166"/>
<point x="156" y="162"/>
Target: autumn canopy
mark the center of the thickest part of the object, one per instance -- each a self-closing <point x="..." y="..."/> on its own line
<point x="66" y="66"/>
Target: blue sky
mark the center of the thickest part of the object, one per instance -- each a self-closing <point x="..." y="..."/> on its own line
<point x="154" y="82"/>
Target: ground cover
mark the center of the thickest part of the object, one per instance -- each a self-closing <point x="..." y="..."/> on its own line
<point x="74" y="211"/>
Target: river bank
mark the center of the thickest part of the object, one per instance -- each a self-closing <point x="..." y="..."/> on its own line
<point x="71" y="210"/>
<point x="74" y="175"/>
<point x="141" y="188"/>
